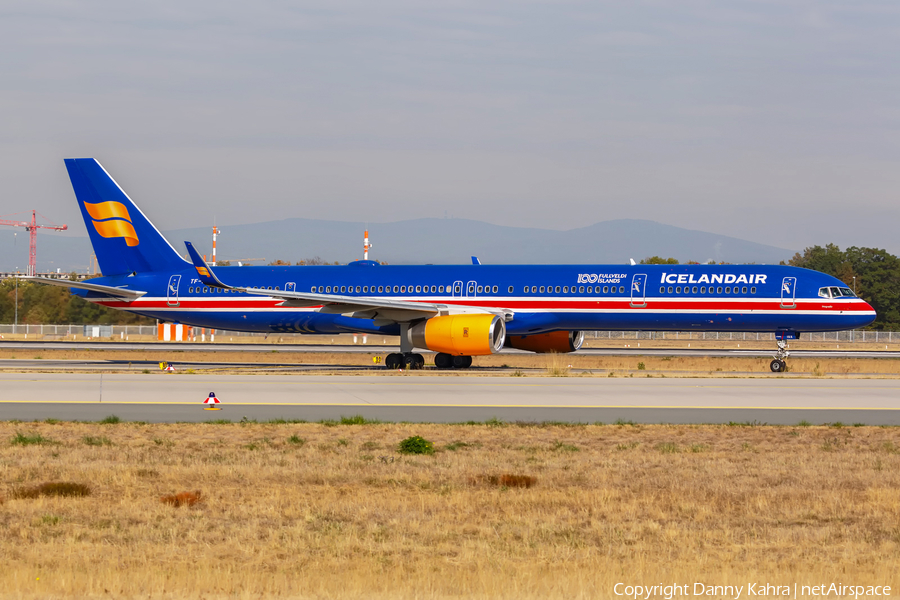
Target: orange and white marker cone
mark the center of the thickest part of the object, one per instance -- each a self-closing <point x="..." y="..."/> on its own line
<point x="211" y="402"/>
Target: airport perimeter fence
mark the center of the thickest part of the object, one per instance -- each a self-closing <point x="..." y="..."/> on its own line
<point x="125" y="332"/>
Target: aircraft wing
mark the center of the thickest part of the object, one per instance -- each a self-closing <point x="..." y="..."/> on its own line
<point x="123" y="293"/>
<point x="363" y="307"/>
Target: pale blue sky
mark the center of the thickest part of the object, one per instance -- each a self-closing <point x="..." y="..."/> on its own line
<point x="776" y="122"/>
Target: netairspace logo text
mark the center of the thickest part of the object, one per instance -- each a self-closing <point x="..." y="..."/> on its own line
<point x="675" y="590"/>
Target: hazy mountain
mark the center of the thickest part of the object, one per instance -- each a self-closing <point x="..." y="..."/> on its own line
<point x="440" y="241"/>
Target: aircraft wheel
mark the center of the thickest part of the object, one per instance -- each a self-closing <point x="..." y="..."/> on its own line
<point x="462" y="362"/>
<point x="415" y="361"/>
<point x="442" y="360"/>
<point x="778" y="366"/>
<point x="393" y="361"/>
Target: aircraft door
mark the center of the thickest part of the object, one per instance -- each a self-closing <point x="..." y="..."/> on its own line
<point x="639" y="291"/>
<point x="470" y="289"/>
<point x="457" y="289"/>
<point x="172" y="290"/>
<point x="290" y="286"/>
<point x="789" y="292"/>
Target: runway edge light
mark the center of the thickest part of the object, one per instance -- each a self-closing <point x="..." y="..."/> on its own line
<point x="211" y="402"/>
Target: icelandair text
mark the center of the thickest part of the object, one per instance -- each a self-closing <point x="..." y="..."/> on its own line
<point x="726" y="278"/>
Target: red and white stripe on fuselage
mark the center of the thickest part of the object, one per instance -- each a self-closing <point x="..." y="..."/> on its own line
<point x="690" y="305"/>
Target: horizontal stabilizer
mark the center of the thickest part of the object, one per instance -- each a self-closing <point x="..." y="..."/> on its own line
<point x="123" y="293"/>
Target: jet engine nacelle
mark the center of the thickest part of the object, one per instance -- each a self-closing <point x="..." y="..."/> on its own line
<point x="555" y="341"/>
<point x="461" y="335"/>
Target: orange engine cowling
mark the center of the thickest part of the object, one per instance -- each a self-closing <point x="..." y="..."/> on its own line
<point x="461" y="335"/>
<point x="555" y="341"/>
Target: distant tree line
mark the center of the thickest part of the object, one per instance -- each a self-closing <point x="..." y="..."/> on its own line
<point x="874" y="273"/>
<point x="48" y="304"/>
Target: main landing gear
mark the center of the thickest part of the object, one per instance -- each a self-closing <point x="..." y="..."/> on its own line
<point x="409" y="360"/>
<point x="406" y="358"/>
<point x="397" y="360"/>
<point x="442" y="360"/>
<point x="778" y="365"/>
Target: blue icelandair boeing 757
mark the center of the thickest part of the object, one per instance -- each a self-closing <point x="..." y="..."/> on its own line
<point x="458" y="311"/>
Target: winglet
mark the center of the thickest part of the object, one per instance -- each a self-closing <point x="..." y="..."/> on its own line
<point x="632" y="262"/>
<point x="204" y="271"/>
<point x="475" y="260"/>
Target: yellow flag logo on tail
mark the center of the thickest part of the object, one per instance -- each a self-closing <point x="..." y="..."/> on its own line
<point x="111" y="220"/>
<point x="202" y="271"/>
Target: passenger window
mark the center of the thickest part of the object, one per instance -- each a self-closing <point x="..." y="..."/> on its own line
<point x="727" y="290"/>
<point x="321" y="289"/>
<point x="190" y="290"/>
<point x="511" y="290"/>
<point x="534" y="289"/>
<point x="565" y="289"/>
<point x="694" y="289"/>
<point x="605" y="289"/>
<point x="328" y="290"/>
<point x="557" y="289"/>
<point x="480" y="289"/>
<point x="703" y="289"/>
<point x="396" y="289"/>
<point x="662" y="290"/>
<point x="403" y="289"/>
<point x="526" y="289"/>
<point x="719" y="290"/>
<point x="678" y="290"/>
<point x="457" y="289"/>
<point x="542" y="289"/>
<point x="277" y="288"/>
<point x="441" y="289"/>
<point x="418" y="289"/>
<point x="580" y="289"/>
<point x="590" y="289"/>
<point x="753" y="290"/>
<point x="743" y="290"/>
<point x="670" y="289"/>
<point x="494" y="289"/>
<point x="205" y="290"/>
<point x="380" y="289"/>
<point x="313" y="290"/>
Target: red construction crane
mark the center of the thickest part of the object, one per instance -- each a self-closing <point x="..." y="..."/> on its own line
<point x="32" y="228"/>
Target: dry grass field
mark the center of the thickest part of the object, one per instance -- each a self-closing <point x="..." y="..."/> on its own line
<point x="333" y="510"/>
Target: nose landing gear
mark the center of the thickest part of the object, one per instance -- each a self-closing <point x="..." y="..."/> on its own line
<point x="778" y="365"/>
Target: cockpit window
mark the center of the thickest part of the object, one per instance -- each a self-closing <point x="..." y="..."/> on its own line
<point x="824" y="293"/>
<point x="835" y="292"/>
<point x="847" y="292"/>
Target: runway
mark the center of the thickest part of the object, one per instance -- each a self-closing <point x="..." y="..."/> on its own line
<point x="385" y="348"/>
<point x="448" y="399"/>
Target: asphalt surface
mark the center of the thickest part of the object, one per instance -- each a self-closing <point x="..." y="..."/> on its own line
<point x="160" y="397"/>
<point x="634" y="349"/>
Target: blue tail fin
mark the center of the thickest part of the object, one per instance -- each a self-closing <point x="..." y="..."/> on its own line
<point x="124" y="240"/>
